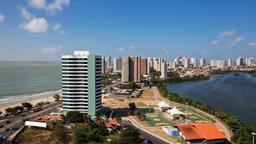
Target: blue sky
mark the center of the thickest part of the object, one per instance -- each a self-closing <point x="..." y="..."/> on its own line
<point x="46" y="29"/>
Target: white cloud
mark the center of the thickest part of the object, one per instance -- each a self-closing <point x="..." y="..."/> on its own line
<point x="119" y="49"/>
<point x="55" y="5"/>
<point x="226" y="34"/>
<point x="222" y="35"/>
<point x="236" y="41"/>
<point x="252" y="44"/>
<point x="51" y="50"/>
<point x="56" y="26"/>
<point x="35" y="25"/>
<point x="2" y="18"/>
<point x="38" y="4"/>
<point x="25" y="13"/>
<point x="215" y="42"/>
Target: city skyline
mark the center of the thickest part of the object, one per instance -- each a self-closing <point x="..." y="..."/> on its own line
<point x="212" y="30"/>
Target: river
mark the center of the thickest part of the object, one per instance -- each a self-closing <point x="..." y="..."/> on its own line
<point x="234" y="94"/>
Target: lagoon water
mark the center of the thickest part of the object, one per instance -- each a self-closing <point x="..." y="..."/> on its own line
<point x="234" y="94"/>
<point x="21" y="79"/>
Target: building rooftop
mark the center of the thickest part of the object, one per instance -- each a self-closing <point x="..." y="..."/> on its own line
<point x="200" y="131"/>
<point x="48" y="118"/>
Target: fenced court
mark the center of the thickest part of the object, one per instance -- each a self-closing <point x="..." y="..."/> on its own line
<point x="192" y="115"/>
<point x="153" y="118"/>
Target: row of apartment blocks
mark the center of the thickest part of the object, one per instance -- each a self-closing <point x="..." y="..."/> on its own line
<point x="184" y="62"/>
<point x="134" y="67"/>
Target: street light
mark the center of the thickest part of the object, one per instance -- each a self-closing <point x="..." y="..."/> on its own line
<point x="253" y="134"/>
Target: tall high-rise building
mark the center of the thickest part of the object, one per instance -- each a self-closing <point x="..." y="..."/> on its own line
<point x="171" y="65"/>
<point x="217" y="63"/>
<point x="156" y="64"/>
<point x="125" y="69"/>
<point x="239" y="61"/>
<point x="193" y="62"/>
<point x="150" y="66"/>
<point x="163" y="69"/>
<point x="144" y="66"/>
<point x="249" y="62"/>
<point x="108" y="61"/>
<point x="230" y="62"/>
<point x="135" y="68"/>
<point x="81" y="82"/>
<point x="185" y="62"/>
<point x="202" y="62"/>
<point x="103" y="65"/>
<point x="117" y="64"/>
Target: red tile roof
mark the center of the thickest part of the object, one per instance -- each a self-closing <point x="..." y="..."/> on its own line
<point x="200" y="131"/>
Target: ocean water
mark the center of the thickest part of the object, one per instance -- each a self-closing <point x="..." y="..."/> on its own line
<point x="229" y="93"/>
<point x="22" y="79"/>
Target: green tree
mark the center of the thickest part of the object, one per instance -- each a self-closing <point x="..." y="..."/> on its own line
<point x="27" y="105"/>
<point x="56" y="97"/>
<point x="19" y="108"/>
<point x="93" y="133"/>
<point x="75" y="117"/>
<point x="132" y="107"/>
<point x="130" y="136"/>
<point x="10" y="110"/>
<point x="61" y="134"/>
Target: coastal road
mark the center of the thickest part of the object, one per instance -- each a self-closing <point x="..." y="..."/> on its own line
<point x="18" y="121"/>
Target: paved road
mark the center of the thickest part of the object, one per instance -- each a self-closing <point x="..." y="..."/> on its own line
<point x="219" y="123"/>
<point x="18" y="121"/>
<point x="144" y="134"/>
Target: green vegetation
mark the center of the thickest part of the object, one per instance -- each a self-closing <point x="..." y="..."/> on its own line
<point x="61" y="134"/>
<point x="75" y="117"/>
<point x="10" y="111"/>
<point x="27" y="105"/>
<point x="56" y="97"/>
<point x="37" y="136"/>
<point x="132" y="107"/>
<point x="254" y="74"/>
<point x="96" y="132"/>
<point x="19" y="108"/>
<point x="174" y="77"/>
<point x="219" y="71"/>
<point x="126" y="136"/>
<point x="107" y="78"/>
<point x="242" y="133"/>
<point x="92" y="133"/>
<point x="131" y="85"/>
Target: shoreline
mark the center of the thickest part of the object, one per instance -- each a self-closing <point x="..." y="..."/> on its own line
<point x="31" y="98"/>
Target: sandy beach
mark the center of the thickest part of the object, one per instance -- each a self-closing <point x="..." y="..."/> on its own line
<point x="33" y="99"/>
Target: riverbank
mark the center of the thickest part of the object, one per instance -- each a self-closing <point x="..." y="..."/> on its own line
<point x="33" y="99"/>
<point x="242" y="133"/>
